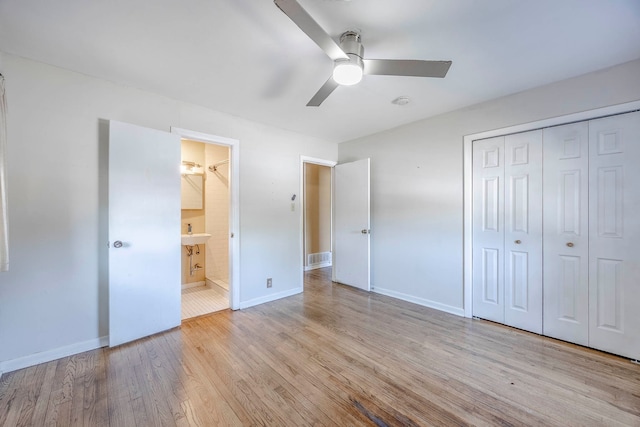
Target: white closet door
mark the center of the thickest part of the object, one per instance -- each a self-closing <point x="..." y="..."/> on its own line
<point x="523" y="231"/>
<point x="488" y="229"/>
<point x="614" y="234"/>
<point x="566" y="232"/>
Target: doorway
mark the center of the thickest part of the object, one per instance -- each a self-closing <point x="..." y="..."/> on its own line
<point x="205" y="234"/>
<point x="317" y="213"/>
<point x="209" y="221"/>
<point x="144" y="245"/>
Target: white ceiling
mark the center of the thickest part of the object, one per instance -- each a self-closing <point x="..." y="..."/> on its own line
<point x="246" y="58"/>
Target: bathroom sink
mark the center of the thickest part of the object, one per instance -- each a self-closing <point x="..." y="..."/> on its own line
<point x="195" y="239"/>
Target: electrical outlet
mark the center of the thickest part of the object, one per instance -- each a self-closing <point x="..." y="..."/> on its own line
<point x="269" y="282"/>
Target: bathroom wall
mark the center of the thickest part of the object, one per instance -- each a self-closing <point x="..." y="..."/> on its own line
<point x="317" y="199"/>
<point x="217" y="215"/>
<point x="193" y="151"/>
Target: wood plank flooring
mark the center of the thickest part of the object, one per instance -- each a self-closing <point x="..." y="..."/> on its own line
<point x="333" y="356"/>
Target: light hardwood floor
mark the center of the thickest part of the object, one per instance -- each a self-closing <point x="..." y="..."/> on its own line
<point x="331" y="356"/>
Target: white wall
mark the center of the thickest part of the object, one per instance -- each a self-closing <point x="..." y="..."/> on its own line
<point x="54" y="298"/>
<point x="417" y="181"/>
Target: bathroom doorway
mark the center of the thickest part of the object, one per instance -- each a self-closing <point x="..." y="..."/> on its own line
<point x="204" y="227"/>
<point x="207" y="224"/>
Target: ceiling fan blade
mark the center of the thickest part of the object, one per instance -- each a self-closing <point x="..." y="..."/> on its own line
<point x="406" y="67"/>
<point x="302" y="19"/>
<point x="326" y="89"/>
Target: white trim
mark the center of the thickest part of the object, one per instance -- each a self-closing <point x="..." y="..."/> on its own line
<point x="269" y="298"/>
<point x="193" y="284"/>
<point x="234" y="207"/>
<point x="315" y="161"/>
<point x="560" y="120"/>
<point x="54" y="354"/>
<point x="204" y="137"/>
<point x="420" y="301"/>
<point x="467" y="227"/>
<point x="468" y="171"/>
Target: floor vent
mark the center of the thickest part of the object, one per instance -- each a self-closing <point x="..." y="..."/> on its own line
<point x="318" y="260"/>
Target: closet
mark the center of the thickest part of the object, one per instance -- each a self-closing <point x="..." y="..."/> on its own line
<point x="556" y="233"/>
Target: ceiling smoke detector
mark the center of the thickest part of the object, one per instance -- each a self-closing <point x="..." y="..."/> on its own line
<point x="401" y="100"/>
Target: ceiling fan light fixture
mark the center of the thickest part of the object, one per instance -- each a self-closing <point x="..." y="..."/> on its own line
<point x="348" y="66"/>
<point x="347" y="73"/>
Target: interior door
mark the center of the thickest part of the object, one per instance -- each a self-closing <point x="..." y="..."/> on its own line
<point x="351" y="256"/>
<point x="488" y="229"/>
<point x="614" y="232"/>
<point x="566" y="232"/>
<point x="144" y="232"/>
<point x="523" y="231"/>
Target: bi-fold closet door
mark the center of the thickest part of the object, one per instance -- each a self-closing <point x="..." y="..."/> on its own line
<point x="507" y="230"/>
<point x="556" y="238"/>
<point x="566" y="232"/>
<point x="592" y="233"/>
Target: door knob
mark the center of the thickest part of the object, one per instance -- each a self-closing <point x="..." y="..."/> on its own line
<point x="365" y="231"/>
<point x="570" y="244"/>
<point x="517" y="242"/>
<point x="117" y="244"/>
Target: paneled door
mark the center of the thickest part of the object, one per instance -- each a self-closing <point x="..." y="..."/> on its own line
<point x="566" y="232"/>
<point x="507" y="230"/>
<point x="523" y="231"/>
<point x="614" y="234"/>
<point x="144" y="232"/>
<point x="488" y="229"/>
<point x="351" y="255"/>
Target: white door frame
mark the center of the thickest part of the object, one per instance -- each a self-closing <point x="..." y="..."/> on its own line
<point x="234" y="205"/>
<point x="468" y="176"/>
<point x="321" y="162"/>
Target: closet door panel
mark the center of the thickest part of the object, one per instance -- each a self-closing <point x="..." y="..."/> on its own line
<point x="488" y="229"/>
<point x="523" y="231"/>
<point x="614" y="234"/>
<point x="566" y="232"/>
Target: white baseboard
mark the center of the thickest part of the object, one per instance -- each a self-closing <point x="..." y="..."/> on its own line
<point x="420" y="301"/>
<point x="269" y="298"/>
<point x="216" y="282"/>
<point x="56" y="353"/>
<point x="316" y="266"/>
<point x="193" y="284"/>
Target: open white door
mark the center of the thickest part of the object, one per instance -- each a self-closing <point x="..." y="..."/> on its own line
<point x="351" y="264"/>
<point x="144" y="232"/>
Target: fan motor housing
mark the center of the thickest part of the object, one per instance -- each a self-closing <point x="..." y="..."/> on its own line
<point x="351" y="45"/>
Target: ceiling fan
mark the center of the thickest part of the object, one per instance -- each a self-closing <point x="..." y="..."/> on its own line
<point x="349" y="64"/>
